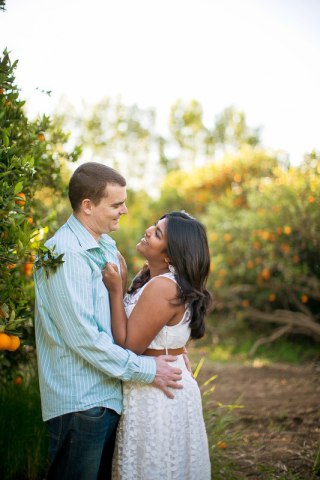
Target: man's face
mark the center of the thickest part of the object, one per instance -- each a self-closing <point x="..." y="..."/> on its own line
<point x="104" y="217"/>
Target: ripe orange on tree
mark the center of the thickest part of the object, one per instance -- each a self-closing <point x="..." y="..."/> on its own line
<point x="5" y="341"/>
<point x="15" y="343"/>
<point x="27" y="269"/>
<point x="265" y="274"/>
<point x="9" y="342"/>
<point x="23" y="199"/>
<point x="17" y="380"/>
<point x="28" y="266"/>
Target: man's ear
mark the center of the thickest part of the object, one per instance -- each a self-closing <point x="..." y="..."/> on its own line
<point x="86" y="206"/>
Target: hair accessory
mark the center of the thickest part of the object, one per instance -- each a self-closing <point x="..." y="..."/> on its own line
<point x="172" y="269"/>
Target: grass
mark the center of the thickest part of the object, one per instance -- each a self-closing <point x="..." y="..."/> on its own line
<point x="219" y="420"/>
<point x="316" y="465"/>
<point x="267" y="473"/>
<point x="23" y="442"/>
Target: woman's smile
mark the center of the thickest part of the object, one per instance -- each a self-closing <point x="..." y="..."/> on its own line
<point x="144" y="240"/>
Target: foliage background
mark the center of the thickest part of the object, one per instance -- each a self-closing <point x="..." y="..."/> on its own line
<point x="261" y="215"/>
<point x="260" y="212"/>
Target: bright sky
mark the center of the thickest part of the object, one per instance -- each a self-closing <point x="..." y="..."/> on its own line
<point x="263" y="56"/>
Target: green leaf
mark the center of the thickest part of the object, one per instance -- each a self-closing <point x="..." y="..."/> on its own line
<point x="18" y="188"/>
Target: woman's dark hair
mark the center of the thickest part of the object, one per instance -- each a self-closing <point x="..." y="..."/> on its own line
<point x="187" y="248"/>
<point x="90" y="180"/>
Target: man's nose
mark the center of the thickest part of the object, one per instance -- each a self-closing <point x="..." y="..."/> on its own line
<point x="124" y="209"/>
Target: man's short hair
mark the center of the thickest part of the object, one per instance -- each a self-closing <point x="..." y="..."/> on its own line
<point x="89" y="180"/>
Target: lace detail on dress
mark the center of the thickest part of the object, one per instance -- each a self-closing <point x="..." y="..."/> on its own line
<point x="159" y="438"/>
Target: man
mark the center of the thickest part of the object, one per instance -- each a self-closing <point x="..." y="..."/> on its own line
<point x="80" y="367"/>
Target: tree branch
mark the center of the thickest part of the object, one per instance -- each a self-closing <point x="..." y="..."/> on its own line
<point x="263" y="340"/>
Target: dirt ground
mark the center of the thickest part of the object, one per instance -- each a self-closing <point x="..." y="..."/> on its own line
<point x="279" y="426"/>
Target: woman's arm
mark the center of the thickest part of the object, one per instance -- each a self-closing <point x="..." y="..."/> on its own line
<point x="153" y="310"/>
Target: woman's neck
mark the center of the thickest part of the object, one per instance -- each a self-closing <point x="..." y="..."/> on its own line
<point x="156" y="270"/>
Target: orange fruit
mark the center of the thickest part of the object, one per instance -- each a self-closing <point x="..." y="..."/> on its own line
<point x="1" y="91"/>
<point x="23" y="199"/>
<point x="5" y="341"/>
<point x="265" y="274"/>
<point x="237" y="178"/>
<point x="14" y="343"/>
<point x="221" y="444"/>
<point x="27" y="269"/>
<point x="285" y="248"/>
<point x="41" y="137"/>
<point x="18" y="380"/>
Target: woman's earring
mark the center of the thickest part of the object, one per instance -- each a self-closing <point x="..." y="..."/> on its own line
<point x="172" y="269"/>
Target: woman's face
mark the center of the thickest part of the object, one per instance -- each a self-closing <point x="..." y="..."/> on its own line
<point x="153" y="244"/>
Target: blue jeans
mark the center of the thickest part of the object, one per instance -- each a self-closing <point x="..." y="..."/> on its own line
<point x="81" y="444"/>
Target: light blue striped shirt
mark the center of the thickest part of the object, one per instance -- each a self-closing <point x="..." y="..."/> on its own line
<point x="79" y="364"/>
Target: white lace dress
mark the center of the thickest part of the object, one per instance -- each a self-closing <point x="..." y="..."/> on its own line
<point x="159" y="438"/>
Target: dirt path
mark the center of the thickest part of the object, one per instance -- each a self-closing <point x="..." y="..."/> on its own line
<point x="279" y="426"/>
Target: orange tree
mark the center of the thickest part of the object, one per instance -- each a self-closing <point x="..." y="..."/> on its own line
<point x="265" y="250"/>
<point x="197" y="189"/>
<point x="30" y="160"/>
<point x="264" y="233"/>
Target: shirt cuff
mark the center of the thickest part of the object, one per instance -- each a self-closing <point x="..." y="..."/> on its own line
<point x="147" y="370"/>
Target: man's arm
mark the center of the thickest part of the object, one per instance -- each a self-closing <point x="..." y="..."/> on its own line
<point x="80" y="316"/>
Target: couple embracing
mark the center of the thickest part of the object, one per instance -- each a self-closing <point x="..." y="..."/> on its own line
<point x="116" y="389"/>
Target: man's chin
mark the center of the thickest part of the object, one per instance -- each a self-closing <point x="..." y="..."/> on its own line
<point x="114" y="226"/>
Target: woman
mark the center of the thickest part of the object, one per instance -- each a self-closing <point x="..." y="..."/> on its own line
<point x="161" y="438"/>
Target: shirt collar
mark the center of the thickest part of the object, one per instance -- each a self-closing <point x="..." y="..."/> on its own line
<point x="86" y="240"/>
